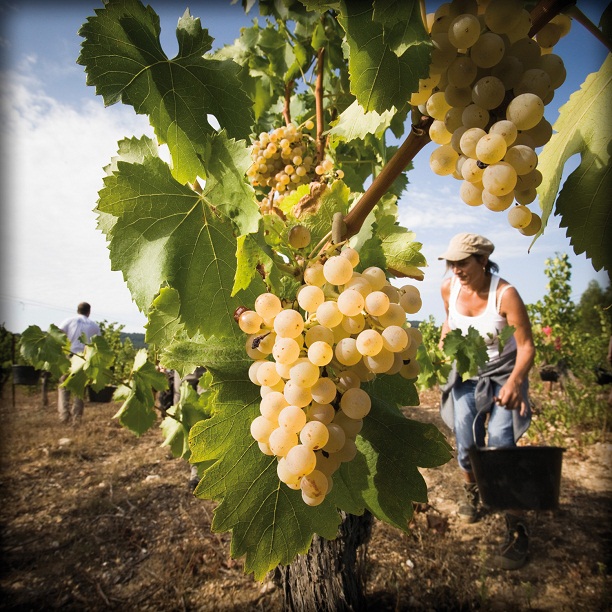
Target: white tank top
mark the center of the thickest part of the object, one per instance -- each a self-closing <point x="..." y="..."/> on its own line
<point x="488" y="324"/>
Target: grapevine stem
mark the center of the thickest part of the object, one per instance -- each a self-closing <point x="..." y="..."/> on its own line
<point x="319" y="105"/>
<point x="416" y="140"/>
<point x="544" y="11"/>
<point x="582" y="19"/>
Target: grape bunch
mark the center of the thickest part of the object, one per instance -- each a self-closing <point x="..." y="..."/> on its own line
<point x="486" y="91"/>
<point x="283" y="160"/>
<point x="310" y="358"/>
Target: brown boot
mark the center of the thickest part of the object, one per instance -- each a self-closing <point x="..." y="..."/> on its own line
<point x="468" y="507"/>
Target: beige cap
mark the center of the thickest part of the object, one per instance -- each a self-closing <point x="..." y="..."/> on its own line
<point x="463" y="245"/>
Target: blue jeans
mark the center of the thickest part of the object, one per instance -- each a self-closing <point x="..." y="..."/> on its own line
<point x="499" y="428"/>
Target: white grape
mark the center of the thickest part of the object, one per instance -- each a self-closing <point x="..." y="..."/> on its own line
<point x="297" y="395"/>
<point x="525" y="111"/>
<point x="351" y="427"/>
<point x="268" y="305"/>
<point x="350" y="302"/>
<point x="314" y="435"/>
<point x="322" y="412"/>
<point x="522" y="158"/>
<point x="410" y="299"/>
<point x="286" y="476"/>
<point x="286" y="350"/>
<point x="469" y="140"/>
<point x="323" y="391"/>
<point x="329" y="315"/>
<point x="315" y="485"/>
<point x="347" y="380"/>
<point x="346" y="352"/>
<point x="488" y="92"/>
<point x="319" y="333"/>
<point x="443" y="159"/>
<point x="464" y="31"/>
<point x="491" y="148"/>
<point x="320" y="353"/>
<point x="471" y="193"/>
<point x="336" y="440"/>
<point x="505" y="128"/>
<point x="292" y="418"/>
<point x="472" y="171"/>
<point x="253" y="370"/>
<point x="497" y="203"/>
<point x="533" y="227"/>
<point x="261" y="428"/>
<point x="250" y="322"/>
<point x="310" y="297"/>
<point x="360" y="284"/>
<point x="369" y="342"/>
<point x="301" y="460"/>
<point x="281" y="441"/>
<point x="267" y="374"/>
<point x="288" y="323"/>
<point x="271" y="405"/>
<point x="299" y="236"/>
<point x="313" y="274"/>
<point x="376" y="277"/>
<point x="473" y="116"/>
<point x="351" y="254"/>
<point x="381" y="362"/>
<point x="499" y="179"/>
<point x="410" y="370"/>
<point x="488" y="50"/>
<point x="348" y="452"/>
<point x="377" y="303"/>
<point x="395" y="338"/>
<point x="526" y="196"/>
<point x="437" y="106"/>
<point x="519" y="216"/>
<point x="305" y="373"/>
<point x="337" y="270"/>
<point x="353" y="325"/>
<point x="395" y="315"/>
<point x="438" y="132"/>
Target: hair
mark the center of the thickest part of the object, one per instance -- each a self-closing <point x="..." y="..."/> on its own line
<point x="490" y="267"/>
<point x="84" y="308"/>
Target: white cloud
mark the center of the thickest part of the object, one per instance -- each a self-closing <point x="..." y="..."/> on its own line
<point x="53" y="159"/>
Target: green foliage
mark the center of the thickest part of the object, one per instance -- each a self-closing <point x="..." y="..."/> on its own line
<point x="584" y="201"/>
<point x="137" y="412"/>
<point x="383" y="478"/>
<point x="46" y="350"/>
<point x="123" y="349"/>
<point x="192" y="245"/>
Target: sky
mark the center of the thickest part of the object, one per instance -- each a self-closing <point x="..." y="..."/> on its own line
<point x="56" y="137"/>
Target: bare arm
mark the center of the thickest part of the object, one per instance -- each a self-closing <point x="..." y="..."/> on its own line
<point x="445" y="291"/>
<point x="514" y="310"/>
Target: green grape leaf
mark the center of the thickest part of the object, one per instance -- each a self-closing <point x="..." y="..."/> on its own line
<point x="137" y="413"/>
<point x="380" y="78"/>
<point x="584" y="126"/>
<point x="92" y="368"/>
<point x="317" y="212"/>
<point x="226" y="186"/>
<point x="166" y="233"/>
<point x="163" y="324"/>
<point x="270" y="523"/>
<point x="402" y="23"/>
<point x="355" y="123"/>
<point x="46" y="350"/>
<point x="392" y="247"/>
<point x="402" y="252"/>
<point x="433" y="367"/>
<point x="469" y="351"/>
<point x="225" y="355"/>
<point x="384" y="476"/>
<point x="395" y="389"/>
<point x="181" y="418"/>
<point x="123" y="59"/>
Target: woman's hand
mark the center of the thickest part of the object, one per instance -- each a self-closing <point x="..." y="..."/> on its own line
<point x="511" y="398"/>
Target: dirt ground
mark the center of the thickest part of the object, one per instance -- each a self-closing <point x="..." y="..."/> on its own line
<point x="94" y="518"/>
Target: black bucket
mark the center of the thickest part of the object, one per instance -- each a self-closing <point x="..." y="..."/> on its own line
<point x="25" y="375"/>
<point x="520" y="478"/>
<point x="104" y="396"/>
